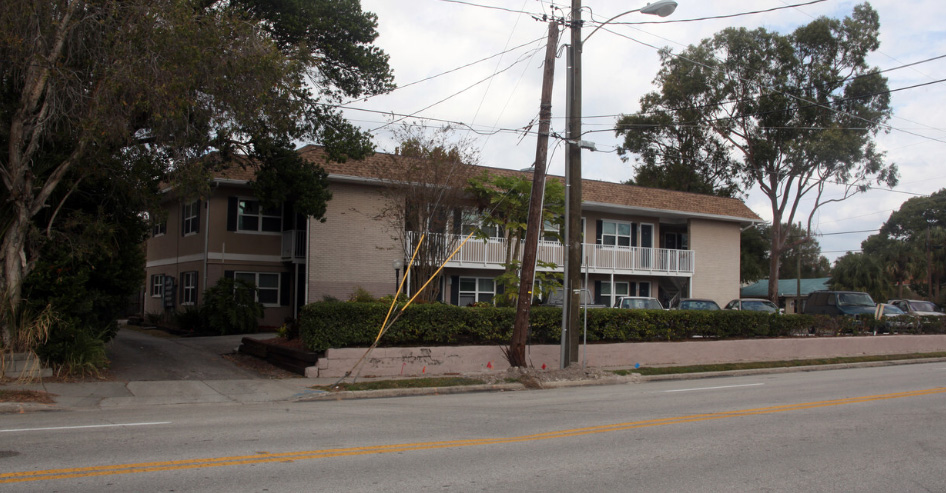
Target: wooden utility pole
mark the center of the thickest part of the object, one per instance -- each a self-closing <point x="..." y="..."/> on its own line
<point x="534" y="221"/>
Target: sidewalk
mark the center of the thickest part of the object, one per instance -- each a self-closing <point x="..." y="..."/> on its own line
<point x="176" y="371"/>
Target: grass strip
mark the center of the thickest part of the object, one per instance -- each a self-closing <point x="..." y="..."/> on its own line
<point x="669" y="370"/>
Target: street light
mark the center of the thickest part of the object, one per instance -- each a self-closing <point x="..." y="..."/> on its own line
<point x="397" y="264"/>
<point x="572" y="283"/>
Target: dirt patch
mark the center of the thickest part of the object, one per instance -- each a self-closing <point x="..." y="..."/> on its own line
<point x="34" y="396"/>
<point x="537" y="378"/>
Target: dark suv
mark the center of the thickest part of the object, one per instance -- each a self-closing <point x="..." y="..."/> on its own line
<point x="839" y="303"/>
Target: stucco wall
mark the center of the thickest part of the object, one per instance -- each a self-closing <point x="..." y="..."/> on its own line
<point x="469" y="359"/>
<point x="716" y="247"/>
<point x="354" y="247"/>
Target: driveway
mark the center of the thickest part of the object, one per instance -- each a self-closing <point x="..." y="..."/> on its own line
<point x="154" y="355"/>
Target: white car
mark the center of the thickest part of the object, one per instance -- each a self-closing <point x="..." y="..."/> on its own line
<point x="639" y="302"/>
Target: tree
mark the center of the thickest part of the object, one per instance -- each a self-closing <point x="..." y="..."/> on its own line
<point x="790" y="114"/>
<point x="425" y="183"/>
<point x="805" y="252"/>
<point x="916" y="233"/>
<point x="860" y="272"/>
<point x="503" y="202"/>
<point x="90" y="83"/>
<point x="754" y="255"/>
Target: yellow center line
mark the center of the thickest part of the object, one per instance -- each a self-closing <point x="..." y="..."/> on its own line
<point x="179" y="465"/>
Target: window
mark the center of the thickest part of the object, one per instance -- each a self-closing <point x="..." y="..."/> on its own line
<point x="643" y="289"/>
<point x="473" y="220"/>
<point x="159" y="228"/>
<point x="267" y="285"/>
<point x="475" y="290"/>
<point x="620" y="289"/>
<point x="157" y="285"/>
<point x="189" y="288"/>
<point x="618" y="234"/>
<point x="551" y="232"/>
<point x="190" y="218"/>
<point x="252" y="217"/>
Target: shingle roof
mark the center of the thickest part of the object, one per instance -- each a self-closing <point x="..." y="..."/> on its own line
<point x="381" y="166"/>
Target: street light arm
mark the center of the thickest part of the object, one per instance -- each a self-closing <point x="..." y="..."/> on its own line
<point x="661" y="8"/>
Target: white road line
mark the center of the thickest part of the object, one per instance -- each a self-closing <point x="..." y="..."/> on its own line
<point x="87" y="426"/>
<point x="716" y="388"/>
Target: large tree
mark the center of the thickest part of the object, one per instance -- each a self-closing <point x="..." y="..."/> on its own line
<point x="792" y="115"/>
<point x="85" y="84"/>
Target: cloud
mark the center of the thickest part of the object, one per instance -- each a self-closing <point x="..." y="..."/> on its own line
<point x="429" y="37"/>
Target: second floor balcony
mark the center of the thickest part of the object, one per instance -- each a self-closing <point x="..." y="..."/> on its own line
<point x="597" y="259"/>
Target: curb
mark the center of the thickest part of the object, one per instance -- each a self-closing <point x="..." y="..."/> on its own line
<point x="325" y="395"/>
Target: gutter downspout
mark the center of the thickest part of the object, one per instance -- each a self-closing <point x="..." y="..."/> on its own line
<point x="207" y="235"/>
<point x="308" y="249"/>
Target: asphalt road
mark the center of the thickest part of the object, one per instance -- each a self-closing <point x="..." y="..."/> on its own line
<point x="865" y="429"/>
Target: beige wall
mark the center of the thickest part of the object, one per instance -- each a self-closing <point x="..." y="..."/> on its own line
<point x="355" y="246"/>
<point x="212" y="250"/>
<point x="716" y="250"/>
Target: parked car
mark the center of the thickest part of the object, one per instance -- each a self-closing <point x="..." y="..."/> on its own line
<point x="851" y="303"/>
<point x="894" y="318"/>
<point x="918" y="308"/>
<point x="697" y="304"/>
<point x="586" y="300"/>
<point x="753" y="305"/>
<point x="639" y="303"/>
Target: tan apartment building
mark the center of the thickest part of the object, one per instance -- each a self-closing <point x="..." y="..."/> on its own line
<point x="639" y="241"/>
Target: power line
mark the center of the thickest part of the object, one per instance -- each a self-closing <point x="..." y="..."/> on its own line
<point x="727" y="16"/>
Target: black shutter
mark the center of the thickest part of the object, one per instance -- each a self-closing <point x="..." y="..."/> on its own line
<point x="457" y="221"/>
<point x="285" y="283"/>
<point x="180" y="289"/>
<point x="197" y="217"/>
<point x="599" y="299"/>
<point x="598" y="228"/>
<point x="454" y="290"/>
<point x="183" y="216"/>
<point x="232" y="208"/>
<point x="633" y="234"/>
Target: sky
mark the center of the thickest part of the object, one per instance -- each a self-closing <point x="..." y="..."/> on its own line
<point x="477" y="66"/>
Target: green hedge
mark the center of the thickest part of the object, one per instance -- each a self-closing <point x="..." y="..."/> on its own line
<point x="339" y="324"/>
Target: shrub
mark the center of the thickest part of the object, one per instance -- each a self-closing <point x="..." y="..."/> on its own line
<point x="337" y="325"/>
<point x="76" y="351"/>
<point x="190" y="318"/>
<point x="230" y="307"/>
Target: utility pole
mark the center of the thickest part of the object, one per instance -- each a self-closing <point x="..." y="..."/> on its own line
<point x="572" y="287"/>
<point x="534" y="222"/>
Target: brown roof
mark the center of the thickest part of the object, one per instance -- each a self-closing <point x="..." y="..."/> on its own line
<point x="592" y="190"/>
<point x="382" y="166"/>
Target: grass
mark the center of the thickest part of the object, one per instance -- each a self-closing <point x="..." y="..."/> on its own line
<point x="407" y="383"/>
<point x="668" y="370"/>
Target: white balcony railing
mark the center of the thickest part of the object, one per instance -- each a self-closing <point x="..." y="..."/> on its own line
<point x="596" y="258"/>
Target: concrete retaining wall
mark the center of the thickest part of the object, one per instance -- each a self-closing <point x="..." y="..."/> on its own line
<point x="439" y="360"/>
